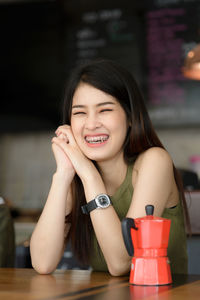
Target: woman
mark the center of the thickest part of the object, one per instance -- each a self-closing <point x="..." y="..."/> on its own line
<point x="106" y="147"/>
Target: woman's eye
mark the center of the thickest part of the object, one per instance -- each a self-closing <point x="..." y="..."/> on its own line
<point x="106" y="109"/>
<point x="78" y="113"/>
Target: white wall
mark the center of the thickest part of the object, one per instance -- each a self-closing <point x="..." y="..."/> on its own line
<point x="181" y="144"/>
<point x="27" y="163"/>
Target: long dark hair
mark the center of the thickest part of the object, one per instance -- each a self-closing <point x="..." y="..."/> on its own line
<point x="116" y="81"/>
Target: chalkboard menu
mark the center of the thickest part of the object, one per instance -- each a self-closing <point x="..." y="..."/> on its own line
<point x="115" y="33"/>
<point x="170" y="33"/>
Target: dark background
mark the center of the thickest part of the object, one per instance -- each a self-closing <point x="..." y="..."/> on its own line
<point x="41" y="41"/>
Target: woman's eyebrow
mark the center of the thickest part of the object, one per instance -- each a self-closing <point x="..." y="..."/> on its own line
<point x="99" y="104"/>
<point x="105" y="103"/>
<point x="78" y="106"/>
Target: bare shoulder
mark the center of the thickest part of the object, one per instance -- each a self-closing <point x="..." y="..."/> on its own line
<point x="154" y="161"/>
<point x="154" y="156"/>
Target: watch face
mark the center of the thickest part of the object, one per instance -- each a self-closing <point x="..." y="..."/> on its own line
<point x="103" y="201"/>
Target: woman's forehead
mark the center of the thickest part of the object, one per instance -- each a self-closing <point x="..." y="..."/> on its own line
<point x="86" y="94"/>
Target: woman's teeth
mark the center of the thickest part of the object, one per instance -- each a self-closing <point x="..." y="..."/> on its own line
<point x="96" y="139"/>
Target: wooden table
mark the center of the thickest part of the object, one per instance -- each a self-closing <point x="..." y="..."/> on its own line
<point x="79" y="284"/>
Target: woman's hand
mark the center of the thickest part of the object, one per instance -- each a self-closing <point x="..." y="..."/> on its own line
<point x="64" y="164"/>
<point x="68" y="153"/>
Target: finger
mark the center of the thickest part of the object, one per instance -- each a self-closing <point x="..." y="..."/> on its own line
<point x="63" y="137"/>
<point x="60" y="142"/>
<point x="56" y="147"/>
<point x="63" y="129"/>
<point x="65" y="147"/>
<point x="60" y="128"/>
<point x="66" y="130"/>
<point x="69" y="150"/>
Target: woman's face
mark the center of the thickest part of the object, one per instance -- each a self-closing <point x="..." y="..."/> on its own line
<point x="99" y="123"/>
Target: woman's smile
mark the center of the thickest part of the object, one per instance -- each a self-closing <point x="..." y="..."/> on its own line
<point x="97" y="140"/>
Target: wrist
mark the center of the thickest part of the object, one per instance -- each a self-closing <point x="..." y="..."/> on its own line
<point x="101" y="201"/>
<point x="63" y="177"/>
<point x="62" y="183"/>
<point x="93" y="186"/>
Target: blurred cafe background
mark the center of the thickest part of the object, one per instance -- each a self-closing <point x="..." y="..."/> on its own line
<point x="41" y="41"/>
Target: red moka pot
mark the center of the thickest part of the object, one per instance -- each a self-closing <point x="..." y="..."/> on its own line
<point x="146" y="239"/>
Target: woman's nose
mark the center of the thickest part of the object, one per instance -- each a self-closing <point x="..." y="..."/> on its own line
<point x="92" y="122"/>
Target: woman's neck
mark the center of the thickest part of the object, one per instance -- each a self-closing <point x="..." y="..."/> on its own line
<point x="113" y="173"/>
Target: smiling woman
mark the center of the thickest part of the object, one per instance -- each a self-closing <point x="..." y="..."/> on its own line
<point x="110" y="164"/>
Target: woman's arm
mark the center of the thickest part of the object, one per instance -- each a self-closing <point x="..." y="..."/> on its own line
<point x="153" y="182"/>
<point x="107" y="227"/>
<point x="106" y="223"/>
<point x="47" y="241"/>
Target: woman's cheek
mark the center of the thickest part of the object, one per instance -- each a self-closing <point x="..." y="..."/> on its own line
<point x="77" y="135"/>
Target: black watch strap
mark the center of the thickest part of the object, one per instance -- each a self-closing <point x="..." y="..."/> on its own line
<point x="101" y="201"/>
<point x="86" y="209"/>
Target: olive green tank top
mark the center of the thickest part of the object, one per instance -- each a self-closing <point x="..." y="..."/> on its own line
<point x="177" y="248"/>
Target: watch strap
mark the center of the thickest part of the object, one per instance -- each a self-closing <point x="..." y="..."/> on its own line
<point x="86" y="209"/>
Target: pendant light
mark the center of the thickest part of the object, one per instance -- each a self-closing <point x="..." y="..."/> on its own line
<point x="191" y="67"/>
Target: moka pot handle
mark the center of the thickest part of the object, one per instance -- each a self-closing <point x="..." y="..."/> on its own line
<point x="127" y="224"/>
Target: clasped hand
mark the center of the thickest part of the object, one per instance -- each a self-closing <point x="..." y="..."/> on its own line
<point x="68" y="155"/>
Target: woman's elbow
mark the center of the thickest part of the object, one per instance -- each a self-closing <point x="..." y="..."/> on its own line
<point x="119" y="269"/>
<point x="42" y="268"/>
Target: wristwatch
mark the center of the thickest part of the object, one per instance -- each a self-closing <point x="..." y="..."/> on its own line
<point x="100" y="201"/>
